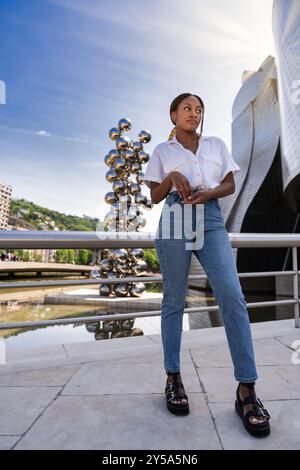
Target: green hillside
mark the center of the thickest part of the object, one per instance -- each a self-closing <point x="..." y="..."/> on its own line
<point x="39" y="216"/>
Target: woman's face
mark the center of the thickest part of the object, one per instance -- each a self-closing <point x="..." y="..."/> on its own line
<point x="188" y="114"/>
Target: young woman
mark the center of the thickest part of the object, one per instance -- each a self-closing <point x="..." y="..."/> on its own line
<point x="192" y="169"/>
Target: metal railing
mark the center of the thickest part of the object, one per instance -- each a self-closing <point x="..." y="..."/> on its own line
<point x="98" y="240"/>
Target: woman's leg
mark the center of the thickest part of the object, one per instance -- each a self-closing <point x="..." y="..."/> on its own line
<point x="174" y="266"/>
<point x="216" y="258"/>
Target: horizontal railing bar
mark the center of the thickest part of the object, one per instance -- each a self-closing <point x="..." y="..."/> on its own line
<point x="38" y="239"/>
<point x="120" y="280"/>
<point x="124" y="316"/>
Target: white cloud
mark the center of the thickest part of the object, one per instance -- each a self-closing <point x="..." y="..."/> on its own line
<point x="43" y="133"/>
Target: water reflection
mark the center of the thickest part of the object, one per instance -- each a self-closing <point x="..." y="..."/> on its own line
<point x="109" y="329"/>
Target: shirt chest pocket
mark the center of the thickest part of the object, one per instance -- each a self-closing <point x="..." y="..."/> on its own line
<point x="212" y="168"/>
<point x="174" y="163"/>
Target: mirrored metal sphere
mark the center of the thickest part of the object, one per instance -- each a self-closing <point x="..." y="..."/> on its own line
<point x="135" y="167"/>
<point x="110" y="325"/>
<point x="121" y="290"/>
<point x="118" y="334"/>
<point x="131" y="214"/>
<point x="111" y="176"/>
<point x="111" y="157"/>
<point x="140" y="199"/>
<point x="136" y="254"/>
<point x="114" y="133"/>
<point x="125" y="200"/>
<point x="129" y="156"/>
<point x="121" y="255"/>
<point x="140" y="268"/>
<point x="135" y="189"/>
<point x="101" y="334"/>
<point x="123" y="176"/>
<point x="110" y="218"/>
<point x="105" y="290"/>
<point x="94" y="273"/>
<point x="122" y="143"/>
<point x="92" y="327"/>
<point x="105" y="265"/>
<point x="111" y="255"/>
<point x="144" y="137"/>
<point x="140" y="178"/>
<point x="143" y="157"/>
<point x="111" y="275"/>
<point x="110" y="197"/>
<point x="137" y="289"/>
<point x="137" y="146"/>
<point x="119" y="186"/>
<point x="124" y="124"/>
<point x="126" y="324"/>
<point x="136" y="332"/>
<point x="122" y="268"/>
<point x="119" y="164"/>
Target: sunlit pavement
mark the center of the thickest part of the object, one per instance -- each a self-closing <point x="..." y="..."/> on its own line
<point x="109" y="394"/>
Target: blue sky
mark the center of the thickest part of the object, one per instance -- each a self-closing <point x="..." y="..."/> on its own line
<point x="73" y="68"/>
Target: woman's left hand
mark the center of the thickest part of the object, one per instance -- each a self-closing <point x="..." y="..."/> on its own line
<point x="200" y="197"/>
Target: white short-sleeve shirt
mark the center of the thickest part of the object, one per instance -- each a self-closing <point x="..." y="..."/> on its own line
<point x="204" y="170"/>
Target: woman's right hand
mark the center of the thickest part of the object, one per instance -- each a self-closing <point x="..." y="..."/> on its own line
<point x="181" y="184"/>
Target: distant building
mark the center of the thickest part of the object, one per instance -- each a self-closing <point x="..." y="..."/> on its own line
<point x="5" y="201"/>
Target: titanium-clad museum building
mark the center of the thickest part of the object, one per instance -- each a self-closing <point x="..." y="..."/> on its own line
<point x="266" y="146"/>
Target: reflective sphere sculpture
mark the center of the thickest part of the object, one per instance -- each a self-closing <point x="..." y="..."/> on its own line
<point x="105" y="290"/>
<point x="124" y="125"/>
<point x="110" y="198"/>
<point x="92" y="327"/>
<point x="121" y="290"/>
<point x="143" y="157"/>
<point x="137" y="146"/>
<point x="137" y="289"/>
<point x="114" y="133"/>
<point x="121" y="255"/>
<point x="105" y="265"/>
<point x="144" y="137"/>
<point x="126" y="202"/>
<point x="136" y="254"/>
<point x="111" y="176"/>
<point x="122" y="143"/>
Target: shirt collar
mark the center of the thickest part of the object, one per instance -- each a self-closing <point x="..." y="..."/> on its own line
<point x="175" y="141"/>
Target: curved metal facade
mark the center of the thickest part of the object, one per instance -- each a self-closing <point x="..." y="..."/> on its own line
<point x="260" y="203"/>
<point x="266" y="146"/>
<point x="286" y="31"/>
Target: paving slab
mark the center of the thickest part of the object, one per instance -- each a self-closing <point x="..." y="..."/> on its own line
<point x="121" y="422"/>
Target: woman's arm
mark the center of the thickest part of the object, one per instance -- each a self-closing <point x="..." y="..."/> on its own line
<point x="160" y="190"/>
<point x="226" y="187"/>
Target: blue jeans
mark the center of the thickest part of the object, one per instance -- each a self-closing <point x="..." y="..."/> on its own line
<point x="217" y="260"/>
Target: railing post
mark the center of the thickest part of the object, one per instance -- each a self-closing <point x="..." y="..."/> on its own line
<point x="296" y="288"/>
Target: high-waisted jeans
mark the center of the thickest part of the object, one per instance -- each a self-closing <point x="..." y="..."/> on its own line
<point x="217" y="259"/>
